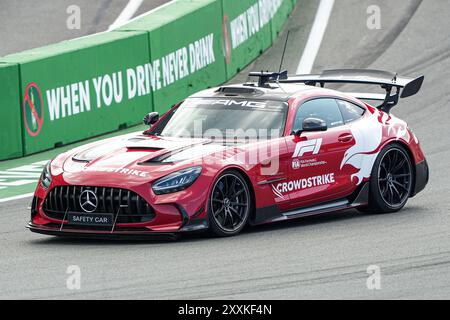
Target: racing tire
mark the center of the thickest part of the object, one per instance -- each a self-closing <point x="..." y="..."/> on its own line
<point x="229" y="204"/>
<point x="391" y="180"/>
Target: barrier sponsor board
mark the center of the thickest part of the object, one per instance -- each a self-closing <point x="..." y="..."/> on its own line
<point x="246" y="31"/>
<point x="82" y="88"/>
<point x="192" y="59"/>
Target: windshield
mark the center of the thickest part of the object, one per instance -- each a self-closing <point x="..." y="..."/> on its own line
<point x="227" y="119"/>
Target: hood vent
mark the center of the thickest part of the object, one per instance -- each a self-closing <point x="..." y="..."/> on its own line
<point x="143" y="148"/>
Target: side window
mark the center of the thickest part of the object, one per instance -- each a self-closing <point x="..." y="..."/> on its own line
<point x="325" y="109"/>
<point x="350" y="111"/>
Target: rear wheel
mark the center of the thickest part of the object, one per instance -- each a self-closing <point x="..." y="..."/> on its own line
<point x="229" y="204"/>
<point x="391" y="180"/>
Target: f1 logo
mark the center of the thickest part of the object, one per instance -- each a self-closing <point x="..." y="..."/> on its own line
<point x="303" y="147"/>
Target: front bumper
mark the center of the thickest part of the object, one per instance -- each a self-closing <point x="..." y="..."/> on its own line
<point x="69" y="231"/>
<point x="170" y="216"/>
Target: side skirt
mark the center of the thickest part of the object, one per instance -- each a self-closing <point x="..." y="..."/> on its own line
<point x="271" y="214"/>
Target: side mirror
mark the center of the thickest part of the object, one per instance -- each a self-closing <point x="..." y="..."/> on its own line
<point x="312" y="124"/>
<point x="151" y="118"/>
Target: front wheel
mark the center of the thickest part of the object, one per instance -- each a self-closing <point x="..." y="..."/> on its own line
<point x="391" y="180"/>
<point x="229" y="204"/>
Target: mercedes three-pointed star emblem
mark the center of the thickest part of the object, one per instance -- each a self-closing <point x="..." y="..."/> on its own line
<point x="88" y="201"/>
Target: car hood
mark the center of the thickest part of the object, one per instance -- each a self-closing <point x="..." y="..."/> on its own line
<point x="132" y="158"/>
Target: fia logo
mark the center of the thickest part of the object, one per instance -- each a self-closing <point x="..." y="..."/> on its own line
<point x="296" y="164"/>
<point x="303" y="147"/>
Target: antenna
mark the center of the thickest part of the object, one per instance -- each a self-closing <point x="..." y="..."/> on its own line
<point x="284" y="50"/>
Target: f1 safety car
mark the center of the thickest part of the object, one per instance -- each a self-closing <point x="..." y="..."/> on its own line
<point x="276" y="149"/>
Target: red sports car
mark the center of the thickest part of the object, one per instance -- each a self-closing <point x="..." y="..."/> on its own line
<point x="277" y="149"/>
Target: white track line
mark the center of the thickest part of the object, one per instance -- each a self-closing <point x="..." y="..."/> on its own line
<point x="315" y="37"/>
<point x="148" y="12"/>
<point x="126" y="14"/>
<point x="22" y="196"/>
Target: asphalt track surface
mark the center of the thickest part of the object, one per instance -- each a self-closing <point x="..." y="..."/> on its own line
<point x="26" y="24"/>
<point x="312" y="258"/>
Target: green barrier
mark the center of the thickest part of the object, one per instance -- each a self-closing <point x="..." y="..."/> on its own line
<point x="246" y="32"/>
<point x="282" y="10"/>
<point x="10" y="112"/>
<point x="82" y="88"/>
<point x="185" y="49"/>
<point x="250" y="27"/>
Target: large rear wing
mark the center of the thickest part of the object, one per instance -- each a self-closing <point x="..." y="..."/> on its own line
<point x="404" y="87"/>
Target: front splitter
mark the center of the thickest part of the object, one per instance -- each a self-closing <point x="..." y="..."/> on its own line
<point x="103" y="235"/>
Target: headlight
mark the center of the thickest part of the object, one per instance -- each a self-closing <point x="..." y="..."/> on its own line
<point x="46" y="177"/>
<point x="176" y="181"/>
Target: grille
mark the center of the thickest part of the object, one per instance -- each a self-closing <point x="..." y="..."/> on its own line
<point x="125" y="205"/>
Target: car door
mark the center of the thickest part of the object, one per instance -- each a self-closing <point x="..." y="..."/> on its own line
<point x="314" y="173"/>
<point x="271" y="170"/>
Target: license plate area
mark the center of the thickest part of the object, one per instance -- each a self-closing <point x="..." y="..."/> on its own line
<point x="91" y="219"/>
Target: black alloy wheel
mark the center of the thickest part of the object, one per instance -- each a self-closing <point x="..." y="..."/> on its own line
<point x="391" y="180"/>
<point x="394" y="178"/>
<point x="230" y="204"/>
